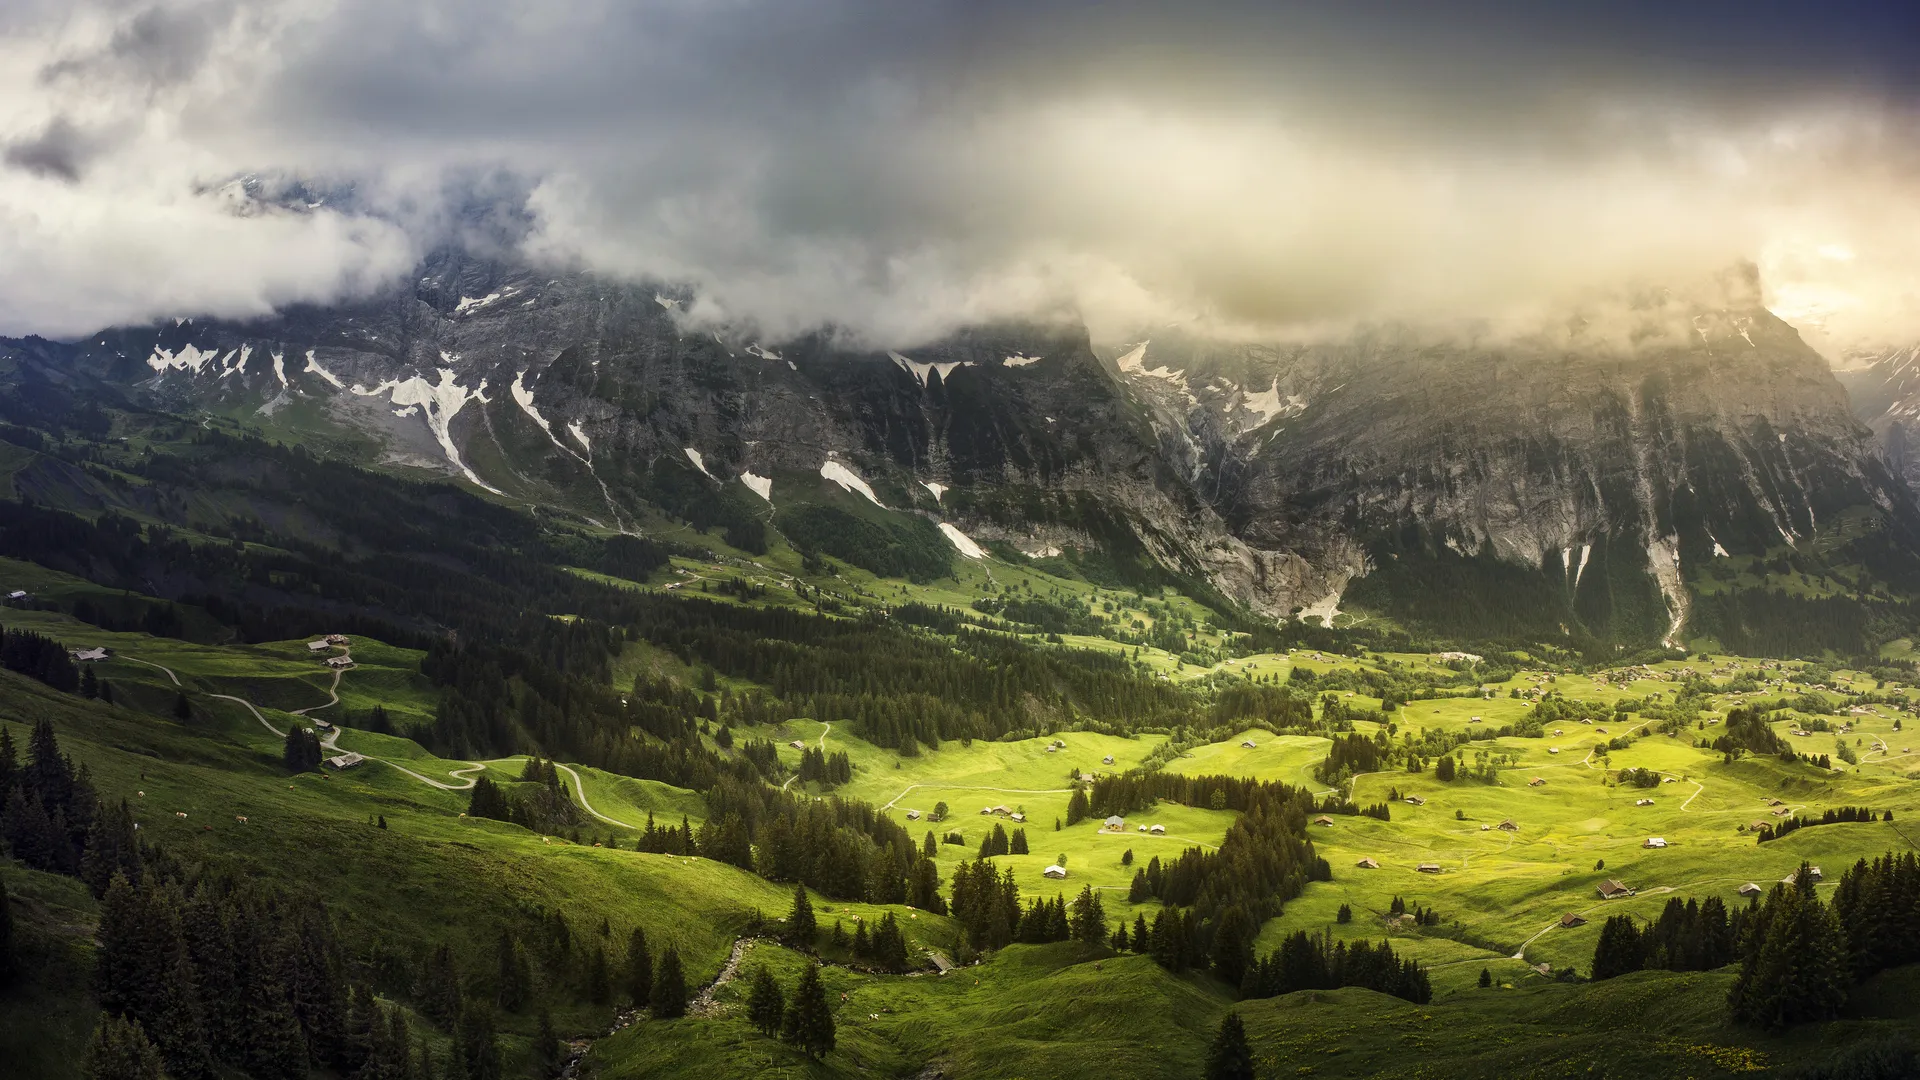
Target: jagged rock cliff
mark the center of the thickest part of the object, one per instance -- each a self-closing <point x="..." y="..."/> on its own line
<point x="1380" y="468"/>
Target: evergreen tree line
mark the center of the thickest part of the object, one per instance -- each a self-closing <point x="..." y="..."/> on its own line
<point x="39" y="657"/>
<point x="301" y="751"/>
<point x="1689" y="935"/>
<point x="998" y="842"/>
<point x="819" y="766"/>
<point x="1315" y="962"/>
<point x="539" y="801"/>
<point x="52" y="818"/>
<point x="1778" y="829"/>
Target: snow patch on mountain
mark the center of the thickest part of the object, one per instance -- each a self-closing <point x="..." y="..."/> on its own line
<point x="667" y="302"/>
<point x="698" y="462"/>
<point x="849" y="481"/>
<point x="919" y="371"/>
<point x="759" y="485"/>
<point x="579" y="435"/>
<point x="471" y="304"/>
<point x="1270" y="404"/>
<point x="755" y="350"/>
<point x="962" y="541"/>
<point x="440" y="401"/>
<point x="938" y="489"/>
<point x="410" y="410"/>
<point x="524" y="398"/>
<point x="1020" y="360"/>
<point x="1581" y="567"/>
<point x="189" y="358"/>
<point x="280" y="367"/>
<point x="1664" y="556"/>
<point x="314" y="366"/>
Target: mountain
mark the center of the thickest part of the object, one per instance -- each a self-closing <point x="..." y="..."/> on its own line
<point x="1569" y="482"/>
<point x="1884" y="388"/>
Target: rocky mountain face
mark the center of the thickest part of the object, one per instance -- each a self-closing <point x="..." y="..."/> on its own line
<point x="1884" y="388"/>
<point x="1576" y="476"/>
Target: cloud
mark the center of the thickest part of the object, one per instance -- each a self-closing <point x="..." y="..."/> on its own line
<point x="896" y="170"/>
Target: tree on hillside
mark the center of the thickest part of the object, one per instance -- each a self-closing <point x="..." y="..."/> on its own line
<point x="1621" y="948"/>
<point x="182" y="708"/>
<point x="488" y="801"/>
<point x="1077" y="807"/>
<point x="599" y="988"/>
<point x="1443" y="768"/>
<point x="142" y="971"/>
<point x="474" y="1042"/>
<point x="6" y="937"/>
<point x="547" y="1048"/>
<point x="301" y="751"/>
<point x="1230" y="1057"/>
<point x="639" y="970"/>
<point x="514" y="979"/>
<point x="111" y="849"/>
<point x="669" y="996"/>
<point x="1089" y="920"/>
<point x="766" y="1009"/>
<point x="1017" y="845"/>
<point x="1793" y="966"/>
<point x="801" y="928"/>
<point x="809" y="1020"/>
<point x="120" y="1050"/>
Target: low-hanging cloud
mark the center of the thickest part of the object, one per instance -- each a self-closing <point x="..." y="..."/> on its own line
<point x="896" y="170"/>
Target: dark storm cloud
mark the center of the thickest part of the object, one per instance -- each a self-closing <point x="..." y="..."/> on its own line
<point x="897" y="168"/>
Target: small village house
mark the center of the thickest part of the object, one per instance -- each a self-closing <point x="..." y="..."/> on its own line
<point x="1571" y="920"/>
<point x="1367" y="864"/>
<point x="1054" y="872"/>
<point x="1428" y="868"/>
<point x="1655" y="842"/>
<point x="1249" y="744"/>
<point x="86" y="656"/>
<point x="1323" y="820"/>
<point x="1750" y="889"/>
<point x="1613" y="889"/>
<point x="1115" y="823"/>
<point x="1160" y="829"/>
<point x="345" y="761"/>
<point x="1508" y="825"/>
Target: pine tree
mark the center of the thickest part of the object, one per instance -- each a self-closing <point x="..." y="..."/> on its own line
<point x="765" y="1007"/>
<point x="639" y="970"/>
<point x="182" y="708"/>
<point x="474" y="1041"/>
<point x="599" y="990"/>
<point x="1142" y="937"/>
<point x="1621" y="948"/>
<point x="800" y="922"/>
<point x="513" y="980"/>
<point x="669" y="994"/>
<point x="1089" y="920"/>
<point x="809" y="1020"/>
<point x="1230" y="1057"/>
<point x="1486" y="978"/>
<point x="546" y="1047"/>
<point x="120" y="1050"/>
<point x="1794" y="969"/>
<point x="111" y="849"/>
<point x="6" y="938"/>
<point x="437" y="989"/>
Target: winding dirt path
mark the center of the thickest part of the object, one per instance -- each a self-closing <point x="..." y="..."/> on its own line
<point x="466" y="775"/>
<point x="580" y="792"/>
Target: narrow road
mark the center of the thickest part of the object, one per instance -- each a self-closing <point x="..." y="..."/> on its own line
<point x="580" y="792"/>
<point x="330" y="741"/>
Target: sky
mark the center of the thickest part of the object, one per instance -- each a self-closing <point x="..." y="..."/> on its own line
<point x="894" y="170"/>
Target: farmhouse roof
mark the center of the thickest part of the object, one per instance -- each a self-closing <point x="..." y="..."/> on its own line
<point x="1509" y="825"/>
<point x="1428" y="868"/>
<point x="1157" y="829"/>
<point x="1054" y="872"/>
<point x="1323" y="820"/>
<point x="1613" y="887"/>
<point x="1750" y="889"/>
<point x="1367" y="864"/>
<point x="317" y="645"/>
<point x="1116" y="822"/>
<point x="1572" y="919"/>
<point x="345" y="761"/>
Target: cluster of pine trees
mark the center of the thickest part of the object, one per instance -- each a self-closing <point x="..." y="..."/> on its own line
<point x="302" y="751"/>
<point x="1834" y="816"/>
<point x="52" y="819"/>
<point x="1316" y="962"/>
<point x="1689" y="935"/>
<point x="40" y="658"/>
<point x="538" y="801"/>
<point x="998" y="842"/>
<point x="819" y="766"/>
<point x="806" y="1020"/>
